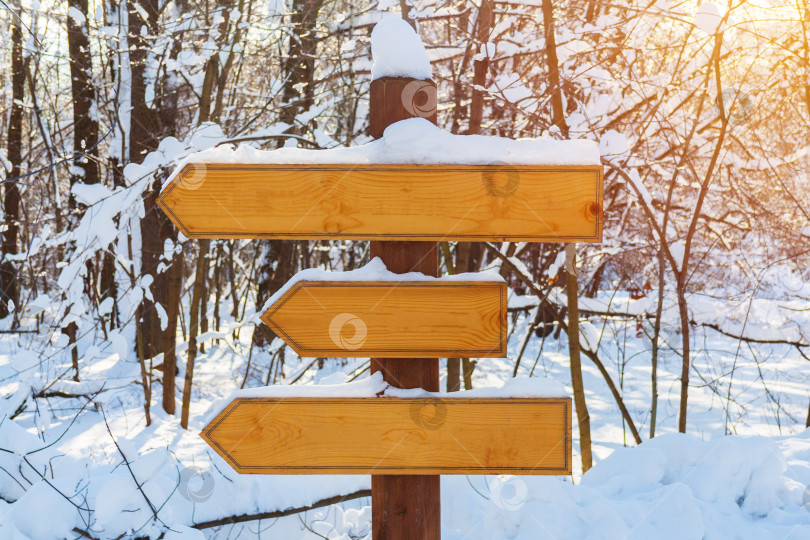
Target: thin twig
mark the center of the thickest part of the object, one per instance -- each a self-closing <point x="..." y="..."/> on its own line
<point x="230" y="520"/>
<point x="126" y="462"/>
<point x="593" y="356"/>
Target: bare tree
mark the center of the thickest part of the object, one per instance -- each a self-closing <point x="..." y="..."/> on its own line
<point x="85" y="119"/>
<point x="572" y="283"/>
<point x="278" y="260"/>
<point x="9" y="284"/>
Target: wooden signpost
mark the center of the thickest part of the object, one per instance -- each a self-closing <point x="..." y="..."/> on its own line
<point x="392" y="318"/>
<point x="405" y="444"/>
<point x="387" y="202"/>
<point x="394" y="436"/>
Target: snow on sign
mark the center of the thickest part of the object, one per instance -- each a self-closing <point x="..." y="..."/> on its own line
<point x="372" y="312"/>
<point x="399" y="436"/>
<point x="416" y="182"/>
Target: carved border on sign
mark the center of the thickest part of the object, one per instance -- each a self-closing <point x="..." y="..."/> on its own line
<point x="565" y="403"/>
<point x="596" y="237"/>
<point x="430" y="353"/>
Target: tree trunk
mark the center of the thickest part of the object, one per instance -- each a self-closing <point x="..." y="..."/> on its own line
<point x="277" y="267"/>
<point x="205" y="295"/>
<point x="108" y="287"/>
<point x="572" y="285"/>
<point x="659" y="310"/>
<point x="84" y="167"/>
<point x="85" y="122"/>
<point x="149" y="124"/>
<point x="144" y="137"/>
<point x="9" y="284"/>
<point x="583" y="419"/>
<point x="480" y="67"/>
<point x="299" y="68"/>
<point x="682" y="273"/>
<point x="196" y="300"/>
<point x="685" y="358"/>
<point x="464" y="250"/>
<point x="554" y="84"/>
<point x="467" y="370"/>
<point x="217" y="287"/>
<point x="172" y="312"/>
<point x="453" y="374"/>
<point x="173" y="280"/>
<point x="459" y="91"/>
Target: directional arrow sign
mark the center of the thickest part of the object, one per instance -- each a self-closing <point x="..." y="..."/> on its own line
<point x="379" y="202"/>
<point x="394" y="436"/>
<point x="392" y="319"/>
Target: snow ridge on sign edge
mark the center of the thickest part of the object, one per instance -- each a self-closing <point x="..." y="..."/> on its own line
<point x="414" y="141"/>
<point x="375" y="270"/>
<point x="374" y="385"/>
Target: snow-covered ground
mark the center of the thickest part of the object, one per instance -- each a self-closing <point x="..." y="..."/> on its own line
<point x="64" y="457"/>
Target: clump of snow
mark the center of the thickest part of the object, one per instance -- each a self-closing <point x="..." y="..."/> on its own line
<point x="398" y="51"/>
<point x="414" y="141"/>
<point x="673" y="487"/>
<point x="42" y="500"/>
<point x="589" y="336"/>
<point x="24" y="360"/>
<point x="520" y="387"/>
<point x="86" y="387"/>
<point x="713" y="490"/>
<point x="642" y="189"/>
<point x="375" y="270"/>
<point x="43" y="301"/>
<point x="374" y="385"/>
<point x="180" y="532"/>
<point x="90" y="194"/>
<point x="678" y="250"/>
<point x="368" y="387"/>
<point x="709" y="18"/>
<point x="76" y="16"/>
<point x="16" y="442"/>
<point x="614" y="144"/>
<point x="119" y="503"/>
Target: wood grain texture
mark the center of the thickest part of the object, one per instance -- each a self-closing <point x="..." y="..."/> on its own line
<point x="403" y="257"/>
<point x="394" y="436"/>
<point x="387" y="202"/>
<point x="406" y="506"/>
<point x="398" y="98"/>
<point x="405" y="319"/>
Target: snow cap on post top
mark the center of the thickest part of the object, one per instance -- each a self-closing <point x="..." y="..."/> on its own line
<point x="398" y="51"/>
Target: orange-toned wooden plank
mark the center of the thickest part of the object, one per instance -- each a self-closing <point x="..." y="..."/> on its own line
<point x="394" y="436"/>
<point x="395" y="202"/>
<point x="396" y="319"/>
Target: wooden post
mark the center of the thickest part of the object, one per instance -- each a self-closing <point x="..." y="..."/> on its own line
<point x="405" y="507"/>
